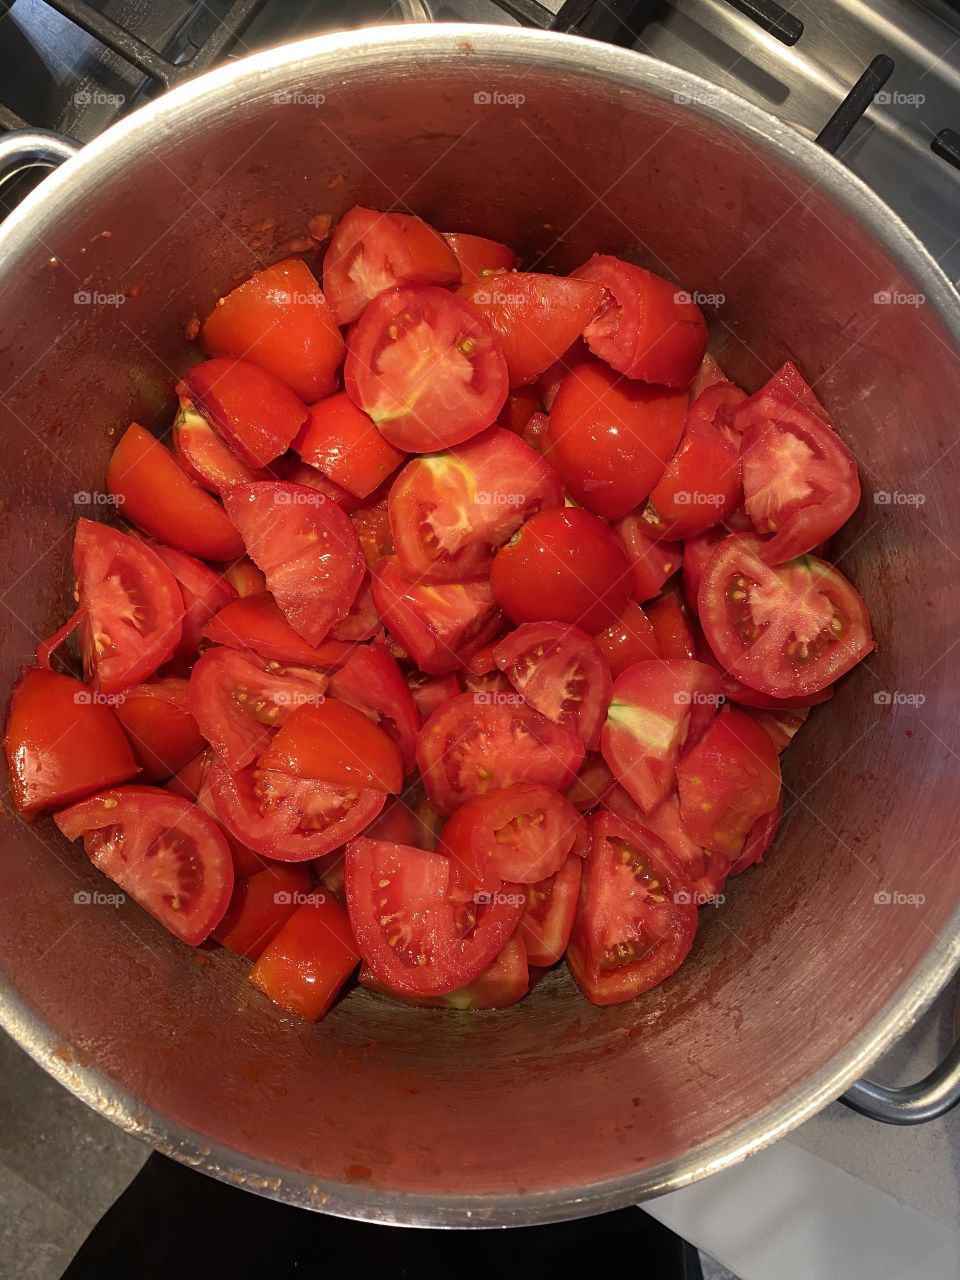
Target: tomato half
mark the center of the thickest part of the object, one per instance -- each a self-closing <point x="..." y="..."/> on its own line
<point x="426" y="367"/>
<point x="204" y="592"/>
<point x="409" y="933"/>
<point x="371" y="681"/>
<point x="256" y="413"/>
<point x="656" y="708"/>
<point x="261" y="905"/>
<point x="563" y="565"/>
<point x="307" y="548"/>
<point x="477" y="743"/>
<point x="61" y="742"/>
<point x="297" y="472"/>
<point x="610" y="438"/>
<point x="335" y="743"/>
<point x="477" y="255"/>
<point x="645" y="327"/>
<point x="450" y="512"/>
<point x="165" y="852"/>
<point x="635" y="924"/>
<point x="157" y="721"/>
<point x="372" y="251"/>
<point x="726" y="781"/>
<point x="561" y="673"/>
<point x="161" y="499"/>
<point x="204" y="455"/>
<point x="652" y="562"/>
<point x="255" y="622"/>
<point x="536" y="316"/>
<point x="342" y="442"/>
<point x="309" y="960"/>
<point x="787" y="631"/>
<point x="131" y="609"/>
<point x="279" y="320"/>
<point x="628" y="640"/>
<point x="547" y="920"/>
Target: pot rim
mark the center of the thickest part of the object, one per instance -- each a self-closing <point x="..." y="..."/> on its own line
<point x="77" y="180"/>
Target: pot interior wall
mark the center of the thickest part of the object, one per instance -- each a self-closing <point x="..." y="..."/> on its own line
<point x="379" y="1102"/>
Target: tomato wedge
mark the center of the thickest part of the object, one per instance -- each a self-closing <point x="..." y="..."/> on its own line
<point x="413" y="938"/>
<point x="652" y="562"/>
<point x="372" y="251"/>
<point x="159" y="498"/>
<point x="656" y="708"/>
<point x="157" y="721"/>
<point x="547" y="920"/>
<point x="204" y="455"/>
<point x="635" y="923"/>
<point x="705" y="871"/>
<point x="255" y="622"/>
<point x="592" y="783"/>
<point x="371" y="681"/>
<point x="309" y="960"/>
<point x="536" y="316"/>
<point x="787" y="631"/>
<point x="261" y="905"/>
<point x="628" y="640"/>
<point x="256" y="413"/>
<point x="701" y="484"/>
<point x="430" y="692"/>
<point x="462" y="754"/>
<point x="204" y="592"/>
<point x="561" y="673"/>
<point x="503" y="983"/>
<point x="671" y="626"/>
<point x="335" y="743"/>
<point x="307" y="548"/>
<point x="450" y="512"/>
<point x="477" y="255"/>
<point x="342" y="442"/>
<point x="426" y="367"/>
<point x="761" y="836"/>
<point x="165" y="852"/>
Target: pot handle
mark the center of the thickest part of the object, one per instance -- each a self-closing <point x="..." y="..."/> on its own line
<point x="928" y="1099"/>
<point x="28" y="148"/>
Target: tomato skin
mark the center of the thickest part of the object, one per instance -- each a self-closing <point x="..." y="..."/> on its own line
<point x="628" y="640"/>
<point x="592" y="784"/>
<point x="256" y="413"/>
<point x="697" y="554"/>
<point x="342" y="442"/>
<point x="537" y="316"/>
<point x="426" y="367"/>
<point x="610" y="438"/>
<point x="450" y="512"/>
<point x="547" y="920"/>
<point x="633" y="899"/>
<point x="335" y="743"/>
<point x="701" y="483"/>
<point x="477" y="743"/>
<point x="203" y="455"/>
<point x="564" y="565"/>
<point x="204" y="592"/>
<point x="430" y="692"/>
<point x="261" y="905"/>
<point x="254" y="622"/>
<point x="159" y="498"/>
<point x="304" y="474"/>
<point x="759" y="839"/>
<point x="371" y="252"/>
<point x="652" y="562"/>
<point x="309" y="960"/>
<point x="646" y="328"/>
<point x="522" y="403"/>
<point x="163" y="735"/>
<point x="143" y="838"/>
<point x="501" y="984"/>
<point x="371" y="681"/>
<point x="726" y="781"/>
<point x="280" y="321"/>
<point x="704" y="871"/>
<point x="671" y="628"/>
<point x="60" y="742"/>
<point x="549" y="381"/>
<point x="476" y="254"/>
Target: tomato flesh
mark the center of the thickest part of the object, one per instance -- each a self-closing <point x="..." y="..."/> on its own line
<point x="337" y="744"/>
<point x="342" y="442"/>
<point x="157" y="721"/>
<point x="501" y="984"/>
<point x="547" y="920"/>
<point x="309" y="960"/>
<point x="255" y="622"/>
<point x="477" y="255"/>
<point x="261" y="905"/>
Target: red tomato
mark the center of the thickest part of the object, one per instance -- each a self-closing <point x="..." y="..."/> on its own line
<point x="430" y="692"/>
<point x="161" y="499"/>
<point x="426" y="367"/>
<point x="363" y="619"/>
<point x="477" y="255"/>
<point x="522" y="403"/>
<point x="371" y="681"/>
<point x="646" y="327"/>
<point x="800" y="480"/>
<point x="302" y="473"/>
<point x="335" y="743"/>
<point x="671" y="628"/>
<point x="534" y="433"/>
<point x="697" y="554"/>
<point x="787" y="631"/>
<point x="734" y="691"/>
<point x="760" y="838"/>
<point x="708" y="375"/>
<point x="255" y="622"/>
<point x="279" y="320"/>
<point x="409" y="933"/>
<point x="130" y="607"/>
<point x="372" y="523"/>
<point x="261" y="905"/>
<point x="610" y="438"/>
<point x="628" y="640"/>
<point x="547" y="919"/>
<point x="549" y="381"/>
<point x="503" y="983"/>
<point x="704" y="872"/>
<point x="157" y="721"/>
<point x="341" y="440"/>
<point x="714" y="409"/>
<point x="238" y="702"/>
<point x="286" y="818"/>
<point x="655" y="709"/>
<point x="165" y="852"/>
<point x="437" y="623"/>
<point x="635" y="924"/>
<point x="651" y="562"/>
<point x="477" y="743"/>
<point x="395" y="823"/>
<point x="204" y="455"/>
<point x="245" y="578"/>
<point x="61" y="742"/>
<point x="307" y="548"/>
<point x="537" y="316"/>
<point x="591" y="784"/>
<point x="256" y="413"/>
<point x="701" y="484"/>
<point x="563" y="565"/>
<point x="309" y="960"/>
<point x="372" y="251"/>
<point x="203" y="590"/>
<point x="726" y="781"/>
<point x="450" y="512"/>
<point x="782" y="726"/>
<point x="561" y="673"/>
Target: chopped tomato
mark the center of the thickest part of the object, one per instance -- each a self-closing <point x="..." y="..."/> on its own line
<point x="535" y="432"/>
<point x="537" y="316"/>
<point x="256" y="413"/>
<point x="430" y="692"/>
<point x="708" y="375"/>
<point x="591" y="784"/>
<point x="342" y="442"/>
<point x="701" y="483"/>
<point x="332" y="742"/>
<point x="522" y="403"/>
<point x="759" y="839"/>
<point x="476" y="255"/>
<point x="372" y="523"/>
<point x="652" y="562"/>
<point x="159" y="498"/>
<point x="61" y="742"/>
<point x="165" y="852"/>
<point x="261" y="905"/>
<point x="671" y="627"/>
<point x="547" y="920"/>
<point x="503" y="983"/>
<point x="645" y="327"/>
<point x="297" y="472"/>
<point x="782" y="726"/>
<point x="309" y="960"/>
<point x="157" y="721"/>
<point x="279" y="320"/>
<point x="371" y="681"/>
<point x="628" y="640"/>
<point x="372" y="251"/>
<point x="255" y="622"/>
<point x="549" y="381"/>
<point x="363" y="619"/>
<point x="426" y="367"/>
<point x="714" y="410"/>
<point x="204" y="455"/>
<point x="245" y="578"/>
<point x="705" y="871"/>
<point x="204" y="592"/>
<point x="697" y="554"/>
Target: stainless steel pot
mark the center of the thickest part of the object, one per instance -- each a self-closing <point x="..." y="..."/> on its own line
<point x="814" y="964"/>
